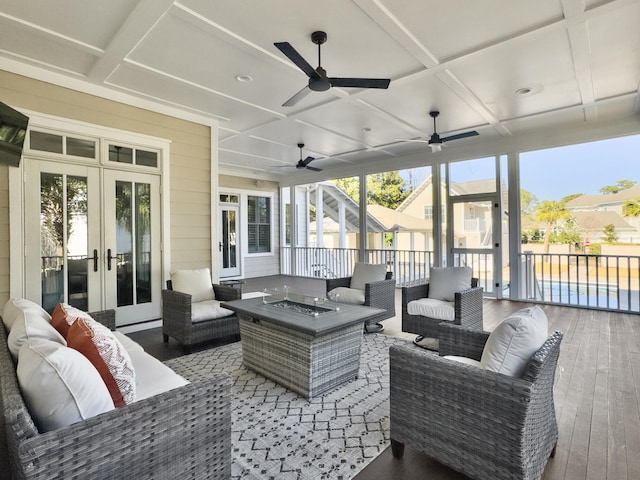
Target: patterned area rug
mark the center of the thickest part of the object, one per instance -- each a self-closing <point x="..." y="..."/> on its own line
<point x="277" y="434"/>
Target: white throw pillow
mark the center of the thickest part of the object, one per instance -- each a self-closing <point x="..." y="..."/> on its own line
<point x="196" y="283"/>
<point x="364" y="273"/>
<point x="59" y="385"/>
<point x="512" y="344"/>
<point x="347" y="295"/>
<point x="444" y="282"/>
<point x="18" y="306"/>
<point x="29" y="327"/>
<point x="432" y="308"/>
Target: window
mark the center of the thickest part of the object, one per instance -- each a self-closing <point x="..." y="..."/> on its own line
<point x="259" y="224"/>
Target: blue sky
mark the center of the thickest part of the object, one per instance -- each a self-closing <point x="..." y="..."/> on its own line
<point x="557" y="172"/>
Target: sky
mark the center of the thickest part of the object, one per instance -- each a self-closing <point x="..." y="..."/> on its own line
<point x="554" y="173"/>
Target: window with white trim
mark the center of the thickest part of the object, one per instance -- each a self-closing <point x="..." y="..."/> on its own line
<point x="259" y="224"/>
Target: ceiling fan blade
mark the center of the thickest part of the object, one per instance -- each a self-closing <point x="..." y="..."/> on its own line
<point x="293" y="55"/>
<point x="297" y="97"/>
<point x="314" y="169"/>
<point x="360" y="82"/>
<point x="413" y="140"/>
<point x="472" y="133"/>
<point x="308" y="160"/>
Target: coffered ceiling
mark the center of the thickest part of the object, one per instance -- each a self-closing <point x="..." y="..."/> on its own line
<point x="578" y="61"/>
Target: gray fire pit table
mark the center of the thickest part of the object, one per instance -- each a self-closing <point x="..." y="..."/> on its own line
<point x="306" y="346"/>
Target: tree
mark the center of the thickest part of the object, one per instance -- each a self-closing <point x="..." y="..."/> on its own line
<point x="528" y="202"/>
<point x="570" y="197"/>
<point x="631" y="208"/>
<point x="618" y="187"/>
<point x="610" y="235"/>
<point x="550" y="212"/>
<point x="388" y="189"/>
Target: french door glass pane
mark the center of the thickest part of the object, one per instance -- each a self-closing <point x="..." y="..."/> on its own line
<point x="229" y="239"/>
<point x="63" y="240"/>
<point x="124" y="243"/>
<point x="143" y="243"/>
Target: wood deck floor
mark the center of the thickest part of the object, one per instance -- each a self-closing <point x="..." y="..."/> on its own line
<point x="597" y="393"/>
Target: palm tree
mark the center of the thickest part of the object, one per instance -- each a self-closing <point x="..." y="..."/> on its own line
<point x="550" y="212"/>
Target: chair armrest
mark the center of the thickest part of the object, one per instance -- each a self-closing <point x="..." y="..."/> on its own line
<point x="461" y="341"/>
<point x="468" y="307"/>
<point x="381" y="294"/>
<point x="187" y="429"/>
<point x="337" y="282"/>
<point x="105" y="317"/>
<point x="415" y="292"/>
<point x="225" y="292"/>
<point x="176" y="307"/>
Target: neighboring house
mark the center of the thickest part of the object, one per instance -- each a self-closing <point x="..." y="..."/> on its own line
<point x="592" y="213"/>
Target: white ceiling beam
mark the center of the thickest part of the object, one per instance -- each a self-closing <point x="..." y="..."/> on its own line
<point x="142" y="20"/>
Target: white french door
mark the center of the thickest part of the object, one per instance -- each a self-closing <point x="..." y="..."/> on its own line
<point x="228" y="242"/>
<point x="93" y="239"/>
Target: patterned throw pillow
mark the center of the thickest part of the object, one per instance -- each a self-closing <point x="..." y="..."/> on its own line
<point x="106" y="353"/>
<point x="64" y="316"/>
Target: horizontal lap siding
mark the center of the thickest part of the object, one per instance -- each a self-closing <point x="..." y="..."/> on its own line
<point x="190" y="168"/>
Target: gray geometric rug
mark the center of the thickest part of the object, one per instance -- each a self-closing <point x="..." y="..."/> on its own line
<point x="276" y="434"/>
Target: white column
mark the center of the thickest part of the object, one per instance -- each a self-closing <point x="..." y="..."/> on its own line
<point x="319" y="216"/>
<point x="342" y="221"/>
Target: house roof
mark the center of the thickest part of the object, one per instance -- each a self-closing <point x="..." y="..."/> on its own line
<point x="596" y="220"/>
<point x="582" y="201"/>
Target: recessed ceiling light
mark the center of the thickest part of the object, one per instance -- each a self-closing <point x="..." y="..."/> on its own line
<point x="529" y="90"/>
<point x="367" y="129"/>
<point x="244" y="78"/>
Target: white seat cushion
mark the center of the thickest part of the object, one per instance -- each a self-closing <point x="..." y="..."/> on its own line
<point x="196" y="283"/>
<point x="445" y="282"/>
<point x="347" y="295"/>
<point x="74" y="389"/>
<point x="512" y="344"/>
<point x="152" y="376"/>
<point x="207" y="310"/>
<point x="364" y="273"/>
<point x="16" y="307"/>
<point x="432" y="308"/>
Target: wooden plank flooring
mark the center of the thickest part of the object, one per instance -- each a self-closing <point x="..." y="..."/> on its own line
<point x="597" y="393"/>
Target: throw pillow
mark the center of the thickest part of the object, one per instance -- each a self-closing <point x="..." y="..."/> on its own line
<point x="64" y="316"/>
<point x="59" y="385"/>
<point x="512" y="344"/>
<point x="347" y="295"/>
<point x="108" y="356"/>
<point x="28" y="327"/>
<point x="364" y="273"/>
<point x="444" y="282"/>
<point x="16" y="307"/>
<point x="196" y="283"/>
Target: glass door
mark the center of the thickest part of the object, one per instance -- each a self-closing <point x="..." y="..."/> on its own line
<point x="228" y="243"/>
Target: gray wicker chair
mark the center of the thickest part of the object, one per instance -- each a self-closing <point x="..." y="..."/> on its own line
<point x="468" y="310"/>
<point x="176" y="318"/>
<point x="376" y="294"/>
<point x="481" y="423"/>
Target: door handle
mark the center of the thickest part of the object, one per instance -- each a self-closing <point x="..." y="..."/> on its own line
<point x="220" y="246"/>
<point x="95" y="260"/>
<point x="109" y="258"/>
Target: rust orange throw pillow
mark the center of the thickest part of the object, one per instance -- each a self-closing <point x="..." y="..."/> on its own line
<point x="64" y="316"/>
<point x="106" y="353"/>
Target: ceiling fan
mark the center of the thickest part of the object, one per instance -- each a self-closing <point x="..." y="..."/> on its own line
<point x="436" y="142"/>
<point x="318" y="80"/>
<point x="305" y="163"/>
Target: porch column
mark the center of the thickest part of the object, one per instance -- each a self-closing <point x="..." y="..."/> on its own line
<point x="362" y="246"/>
<point x="342" y="231"/>
<point x="319" y="216"/>
<point x="294" y="229"/>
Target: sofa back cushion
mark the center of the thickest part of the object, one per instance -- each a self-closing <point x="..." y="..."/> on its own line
<point x="108" y="356"/>
<point x="444" y="282"/>
<point x="16" y="307"/>
<point x="364" y="273"/>
<point x="196" y="283"/>
<point x="74" y="389"/>
<point x="514" y="341"/>
<point x="28" y="327"/>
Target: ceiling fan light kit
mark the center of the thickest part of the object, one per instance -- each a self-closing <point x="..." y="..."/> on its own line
<point x="318" y="79"/>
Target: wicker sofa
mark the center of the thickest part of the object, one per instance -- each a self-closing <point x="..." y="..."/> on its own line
<point x="181" y="433"/>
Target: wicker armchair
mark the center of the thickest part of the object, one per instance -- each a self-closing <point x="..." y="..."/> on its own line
<point x="177" y="318"/>
<point x="467" y="305"/>
<point x="484" y="424"/>
<point x="379" y="294"/>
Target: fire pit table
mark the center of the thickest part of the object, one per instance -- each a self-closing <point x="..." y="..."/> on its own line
<point x="307" y="345"/>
